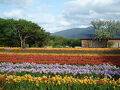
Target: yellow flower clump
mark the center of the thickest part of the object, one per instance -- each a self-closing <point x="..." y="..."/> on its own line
<point x="10" y="48"/>
<point x="58" y="80"/>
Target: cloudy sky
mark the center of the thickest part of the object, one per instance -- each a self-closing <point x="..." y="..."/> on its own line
<point x="57" y="15"/>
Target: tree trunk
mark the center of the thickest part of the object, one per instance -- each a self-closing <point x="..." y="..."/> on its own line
<point x="23" y="43"/>
<point x="106" y="43"/>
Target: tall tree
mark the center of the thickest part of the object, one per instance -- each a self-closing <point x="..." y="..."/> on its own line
<point x="19" y="32"/>
<point x="27" y="30"/>
<point x="106" y="29"/>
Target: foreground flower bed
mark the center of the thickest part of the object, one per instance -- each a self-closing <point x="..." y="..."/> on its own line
<point x="61" y="59"/>
<point x="57" y="82"/>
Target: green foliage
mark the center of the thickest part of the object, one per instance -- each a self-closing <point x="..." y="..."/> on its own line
<point x="102" y="35"/>
<point x="110" y="44"/>
<point x="5" y="32"/>
<point x="16" y="33"/>
<point x="76" y="42"/>
<point x="58" y="42"/>
<point x="25" y="85"/>
<point x="106" y="29"/>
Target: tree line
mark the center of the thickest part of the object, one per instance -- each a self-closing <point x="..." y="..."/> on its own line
<point x="58" y="41"/>
<point x="23" y="33"/>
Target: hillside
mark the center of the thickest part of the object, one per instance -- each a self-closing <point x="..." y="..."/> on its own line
<point x="76" y="33"/>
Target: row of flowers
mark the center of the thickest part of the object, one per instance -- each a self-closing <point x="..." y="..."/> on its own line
<point x="61" y="59"/>
<point x="105" y="69"/>
<point x="12" y="82"/>
<point x="18" y="48"/>
<point x="74" y="52"/>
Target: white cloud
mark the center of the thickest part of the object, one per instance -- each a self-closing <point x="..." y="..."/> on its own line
<point x="13" y="14"/>
<point x="64" y="23"/>
<point x="83" y="26"/>
<point x="81" y="12"/>
<point x="41" y="18"/>
<point x="54" y="28"/>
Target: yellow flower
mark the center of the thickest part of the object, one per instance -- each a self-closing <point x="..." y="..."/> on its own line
<point x="114" y="87"/>
<point x="44" y="77"/>
<point x="37" y="84"/>
<point x="59" y="83"/>
<point x="119" y="80"/>
<point x="14" y="80"/>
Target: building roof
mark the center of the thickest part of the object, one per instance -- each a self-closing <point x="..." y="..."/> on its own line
<point x="117" y="36"/>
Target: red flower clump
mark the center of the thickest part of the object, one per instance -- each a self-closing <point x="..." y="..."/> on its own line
<point x="61" y="59"/>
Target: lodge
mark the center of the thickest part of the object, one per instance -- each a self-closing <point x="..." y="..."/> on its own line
<point x="89" y="42"/>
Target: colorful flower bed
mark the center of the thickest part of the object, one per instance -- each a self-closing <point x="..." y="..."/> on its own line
<point x="75" y="70"/>
<point x="58" y="82"/>
<point x="61" y="59"/>
<point x="59" y="69"/>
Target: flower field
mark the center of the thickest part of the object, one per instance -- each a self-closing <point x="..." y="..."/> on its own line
<point x="61" y="59"/>
<point x="59" y="69"/>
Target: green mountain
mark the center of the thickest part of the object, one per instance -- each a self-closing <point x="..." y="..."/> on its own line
<point x="82" y="33"/>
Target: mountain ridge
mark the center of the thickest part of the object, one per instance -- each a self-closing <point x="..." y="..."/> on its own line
<point x="76" y="33"/>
